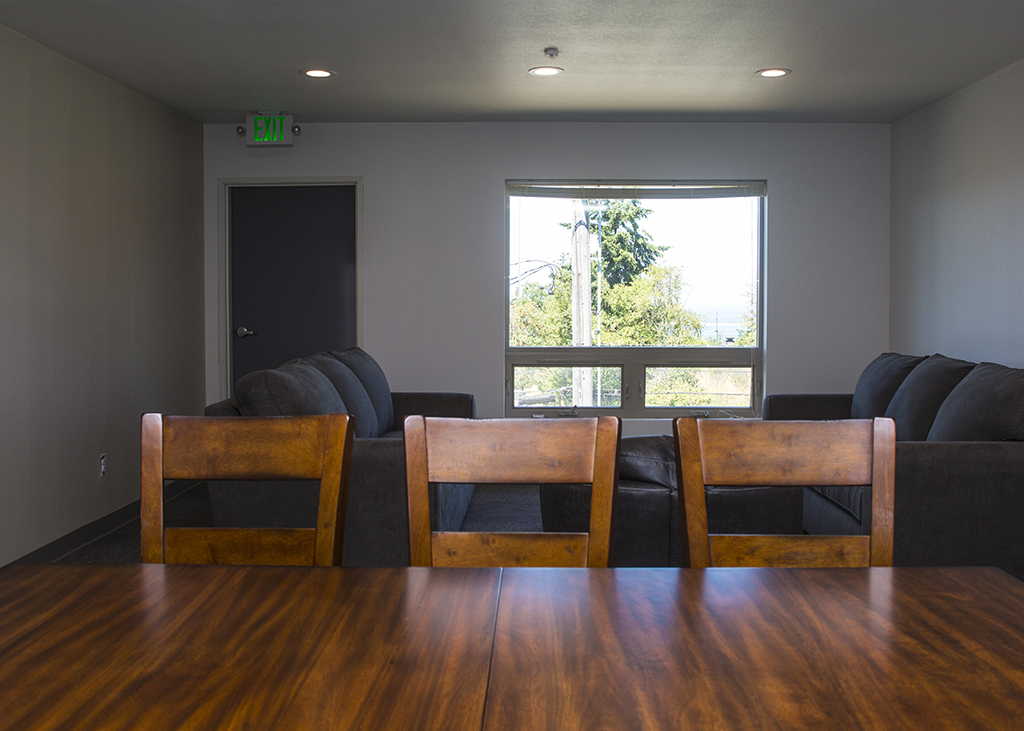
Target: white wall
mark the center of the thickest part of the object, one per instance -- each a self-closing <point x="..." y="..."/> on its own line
<point x="433" y="232"/>
<point x="100" y="288"/>
<point x="958" y="224"/>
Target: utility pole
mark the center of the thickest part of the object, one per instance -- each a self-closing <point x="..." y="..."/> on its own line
<point x="582" y="378"/>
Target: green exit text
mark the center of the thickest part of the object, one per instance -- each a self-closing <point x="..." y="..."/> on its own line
<point x="268" y="129"/>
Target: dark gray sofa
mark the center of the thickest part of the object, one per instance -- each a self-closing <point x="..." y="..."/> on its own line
<point x="959" y="459"/>
<point x="348" y="381"/>
<point x="959" y="473"/>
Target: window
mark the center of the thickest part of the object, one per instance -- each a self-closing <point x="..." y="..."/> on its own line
<point x="642" y="299"/>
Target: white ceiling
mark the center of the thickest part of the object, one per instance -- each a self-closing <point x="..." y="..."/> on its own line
<point x="423" y="60"/>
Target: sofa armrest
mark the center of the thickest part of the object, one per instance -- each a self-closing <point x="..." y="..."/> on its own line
<point x="812" y="406"/>
<point x="960" y="504"/>
<point x="461" y="405"/>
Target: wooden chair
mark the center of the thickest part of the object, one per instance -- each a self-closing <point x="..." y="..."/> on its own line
<point x="738" y="452"/>
<point x="475" y="451"/>
<point x="257" y="448"/>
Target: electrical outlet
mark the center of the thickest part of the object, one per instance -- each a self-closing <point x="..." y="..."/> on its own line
<point x="103" y="464"/>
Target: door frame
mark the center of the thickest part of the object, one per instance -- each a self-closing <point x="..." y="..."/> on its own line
<point x="224" y="260"/>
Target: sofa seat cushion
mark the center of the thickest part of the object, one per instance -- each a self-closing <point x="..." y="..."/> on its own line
<point x="986" y="406"/>
<point x="351" y="390"/>
<point x="917" y="400"/>
<point x="879" y="382"/>
<point x="375" y="383"/>
<point x="294" y="389"/>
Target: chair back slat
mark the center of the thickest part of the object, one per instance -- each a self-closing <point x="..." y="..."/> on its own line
<point x="554" y="550"/>
<point x="779" y="455"/>
<point x="269" y="448"/>
<point x="488" y="450"/>
<point x="251" y="448"/>
<point x="789" y="551"/>
<point x="280" y="547"/>
<point x="734" y="452"/>
<point x="549" y="451"/>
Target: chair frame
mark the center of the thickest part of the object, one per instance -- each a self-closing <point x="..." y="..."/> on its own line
<point x="257" y="448"/>
<point x="479" y="451"/>
<point x="747" y="452"/>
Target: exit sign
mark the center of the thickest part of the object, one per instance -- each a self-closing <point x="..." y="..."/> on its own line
<point x="268" y="129"/>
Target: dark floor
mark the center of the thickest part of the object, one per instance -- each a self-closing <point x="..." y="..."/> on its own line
<point x="494" y="508"/>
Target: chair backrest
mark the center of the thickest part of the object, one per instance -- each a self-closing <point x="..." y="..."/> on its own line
<point x="475" y="451"/>
<point x="741" y="452"/>
<point x="256" y="448"/>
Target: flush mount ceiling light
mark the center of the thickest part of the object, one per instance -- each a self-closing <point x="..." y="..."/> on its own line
<point x="550" y="52"/>
<point x="773" y="73"/>
<point x="318" y="73"/>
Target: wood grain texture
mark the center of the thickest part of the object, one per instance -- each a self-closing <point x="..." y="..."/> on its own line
<point x="781" y="551"/>
<point x="758" y="649"/>
<point x="418" y="491"/>
<point x="515" y="451"/>
<point x="779" y="452"/>
<point x="450" y="548"/>
<point x="294" y="447"/>
<point x="228" y="647"/>
<point x="247" y="546"/>
<point x="883" y="492"/>
<point x="510" y="450"/>
<point x="750" y="452"/>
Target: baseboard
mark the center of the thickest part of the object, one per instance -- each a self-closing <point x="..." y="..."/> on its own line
<point x="98" y="528"/>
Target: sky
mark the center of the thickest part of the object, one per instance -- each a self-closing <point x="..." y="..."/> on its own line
<point x="714" y="240"/>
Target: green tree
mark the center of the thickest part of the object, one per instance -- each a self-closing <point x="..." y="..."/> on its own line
<point x="648" y="311"/>
<point x="626" y="249"/>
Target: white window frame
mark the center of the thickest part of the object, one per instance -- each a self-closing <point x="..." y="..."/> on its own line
<point x="635" y="360"/>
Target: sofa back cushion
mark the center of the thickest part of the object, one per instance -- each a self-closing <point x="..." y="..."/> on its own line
<point x="351" y="391"/>
<point x="987" y="405"/>
<point x="879" y="382"/>
<point x="294" y="389"/>
<point x="373" y="380"/>
<point x="917" y="400"/>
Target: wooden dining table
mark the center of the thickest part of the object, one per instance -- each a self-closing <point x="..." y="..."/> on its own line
<point x="221" y="647"/>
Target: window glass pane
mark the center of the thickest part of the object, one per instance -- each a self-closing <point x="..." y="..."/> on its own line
<point x="633" y="272"/>
<point x="696" y="387"/>
<point x="565" y="386"/>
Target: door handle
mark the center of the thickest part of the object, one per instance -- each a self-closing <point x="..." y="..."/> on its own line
<point x="243" y="331"/>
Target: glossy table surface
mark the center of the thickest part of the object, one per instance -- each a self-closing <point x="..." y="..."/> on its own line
<point x="908" y="648"/>
<point x="222" y="647"/>
<point x="182" y="647"/>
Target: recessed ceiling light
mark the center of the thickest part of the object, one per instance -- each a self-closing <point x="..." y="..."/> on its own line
<point x="545" y="70"/>
<point x="773" y="73"/>
<point x="318" y="73"/>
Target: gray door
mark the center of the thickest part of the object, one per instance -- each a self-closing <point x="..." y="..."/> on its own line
<point x="292" y="252"/>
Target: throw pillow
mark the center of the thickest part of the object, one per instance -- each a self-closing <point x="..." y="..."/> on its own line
<point x="295" y="389"/>
<point x="878" y="383"/>
<point x="352" y="392"/>
<point x="648" y="459"/>
<point x="373" y="380"/>
<point x="919" y="397"/>
<point x="987" y="406"/>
